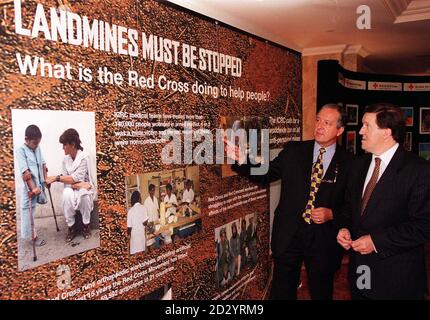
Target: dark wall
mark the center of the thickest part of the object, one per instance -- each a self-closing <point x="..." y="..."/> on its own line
<point x="330" y="90"/>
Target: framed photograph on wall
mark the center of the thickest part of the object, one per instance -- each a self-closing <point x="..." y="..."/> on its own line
<point x="424" y="150"/>
<point x="351" y="141"/>
<point x="424" y="120"/>
<point x="409" y="116"/>
<point x="408" y="141"/>
<point x="351" y="114"/>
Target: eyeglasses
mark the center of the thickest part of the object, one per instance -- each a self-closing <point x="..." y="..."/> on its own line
<point x="335" y="176"/>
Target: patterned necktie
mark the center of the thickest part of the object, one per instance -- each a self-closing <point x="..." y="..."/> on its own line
<point x="370" y="185"/>
<point x="317" y="174"/>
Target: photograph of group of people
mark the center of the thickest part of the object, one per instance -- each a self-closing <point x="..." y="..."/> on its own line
<point x="56" y="184"/>
<point x="162" y="207"/>
<point x="236" y="248"/>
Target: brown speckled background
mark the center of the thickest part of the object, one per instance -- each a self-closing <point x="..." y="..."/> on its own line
<point x="265" y="67"/>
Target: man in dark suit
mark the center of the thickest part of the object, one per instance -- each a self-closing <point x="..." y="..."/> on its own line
<point x="387" y="213"/>
<point x="313" y="179"/>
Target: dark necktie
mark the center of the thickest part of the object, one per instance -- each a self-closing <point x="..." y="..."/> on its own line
<point x="371" y="185"/>
<point x="317" y="174"/>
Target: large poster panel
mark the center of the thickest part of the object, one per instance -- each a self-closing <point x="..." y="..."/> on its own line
<point x="113" y="116"/>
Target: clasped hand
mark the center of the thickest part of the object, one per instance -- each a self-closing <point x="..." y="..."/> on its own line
<point x="362" y="245"/>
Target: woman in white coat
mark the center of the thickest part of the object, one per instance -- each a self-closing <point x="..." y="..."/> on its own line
<point x="79" y="184"/>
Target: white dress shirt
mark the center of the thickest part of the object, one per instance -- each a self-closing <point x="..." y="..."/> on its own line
<point x="327" y="155"/>
<point x="137" y="215"/>
<point x="152" y="206"/>
<point x="188" y="196"/>
<point x="385" y="160"/>
<point x="171" y="200"/>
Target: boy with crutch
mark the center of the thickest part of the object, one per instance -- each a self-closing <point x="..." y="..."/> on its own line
<point x="32" y="167"/>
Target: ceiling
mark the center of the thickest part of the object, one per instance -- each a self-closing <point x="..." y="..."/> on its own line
<point x="397" y="43"/>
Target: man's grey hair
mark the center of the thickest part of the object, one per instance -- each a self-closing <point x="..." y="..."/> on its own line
<point x="341" y="121"/>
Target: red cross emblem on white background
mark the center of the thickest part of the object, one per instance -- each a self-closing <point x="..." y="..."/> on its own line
<point x="411" y="86"/>
<point x="375" y="85"/>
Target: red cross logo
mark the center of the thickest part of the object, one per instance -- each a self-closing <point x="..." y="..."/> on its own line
<point x="375" y="85"/>
<point x="411" y="86"/>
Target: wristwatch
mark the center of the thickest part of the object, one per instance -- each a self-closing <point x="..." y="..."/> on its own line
<point x="57" y="178"/>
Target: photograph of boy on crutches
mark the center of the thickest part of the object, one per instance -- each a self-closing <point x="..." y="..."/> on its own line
<point x="32" y="166"/>
<point x="56" y="210"/>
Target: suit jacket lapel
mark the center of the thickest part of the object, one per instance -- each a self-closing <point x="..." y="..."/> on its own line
<point x="361" y="179"/>
<point x="385" y="183"/>
<point x="308" y="160"/>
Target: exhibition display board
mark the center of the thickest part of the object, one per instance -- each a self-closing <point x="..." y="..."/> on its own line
<point x="355" y="90"/>
<point x="123" y="102"/>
